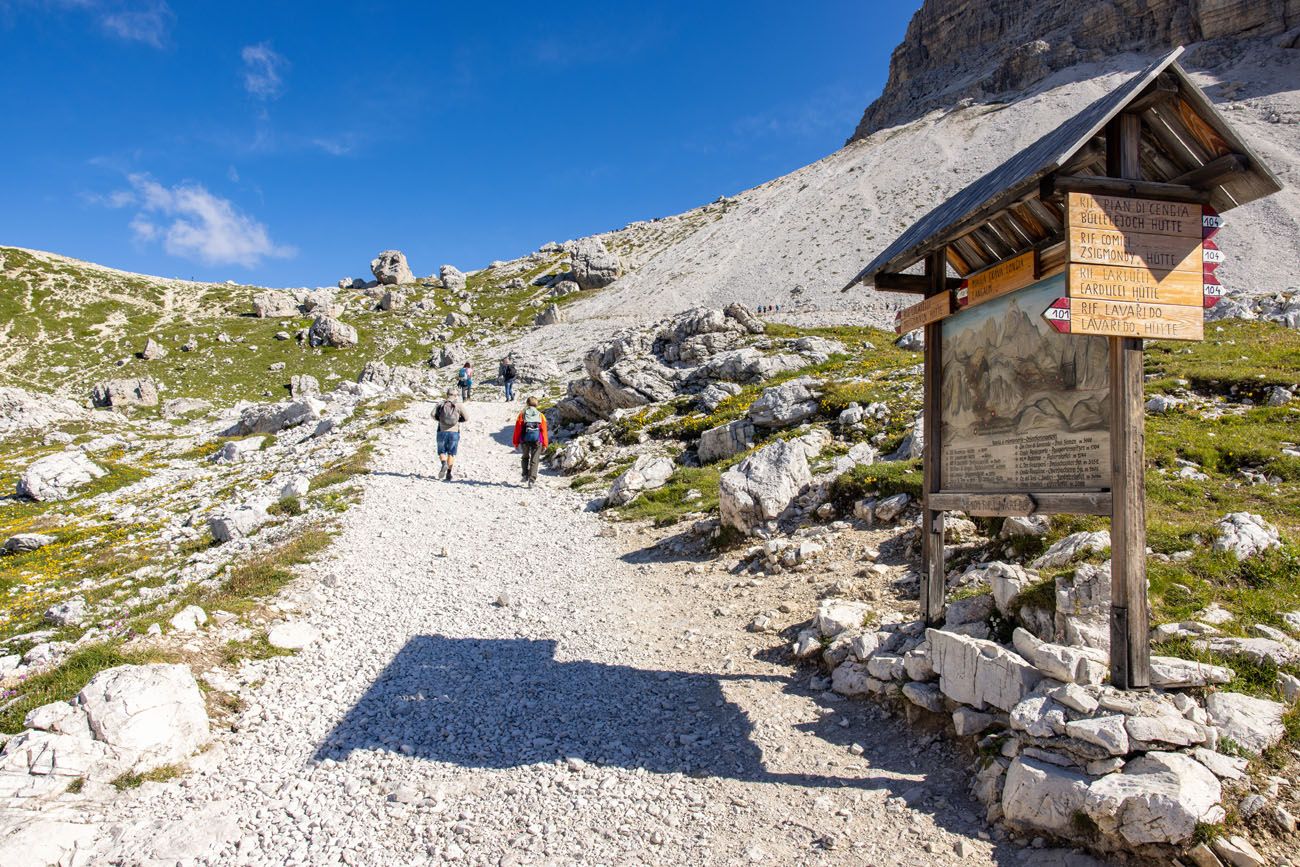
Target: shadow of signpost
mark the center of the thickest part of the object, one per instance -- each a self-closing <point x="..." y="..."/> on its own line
<point x="499" y="703"/>
<point x="505" y="703"/>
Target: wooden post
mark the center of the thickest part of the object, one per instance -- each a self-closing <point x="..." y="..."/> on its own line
<point x="932" y="559"/>
<point x="1130" y="642"/>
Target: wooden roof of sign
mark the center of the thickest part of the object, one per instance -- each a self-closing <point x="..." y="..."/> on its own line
<point x="1188" y="153"/>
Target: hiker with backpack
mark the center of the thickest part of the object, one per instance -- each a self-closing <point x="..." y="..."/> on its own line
<point x="449" y="414"/>
<point x="465" y="379"/>
<point x="508" y="374"/>
<point x="530" y="438"/>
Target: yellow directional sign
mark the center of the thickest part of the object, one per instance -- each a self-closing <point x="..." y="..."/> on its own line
<point x="1119" y="283"/>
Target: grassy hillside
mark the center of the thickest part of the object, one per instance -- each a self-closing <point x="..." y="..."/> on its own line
<point x="65" y="325"/>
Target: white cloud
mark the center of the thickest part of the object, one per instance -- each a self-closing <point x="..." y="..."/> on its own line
<point x="193" y="223"/>
<point x="148" y="22"/>
<point x="262" y="68"/>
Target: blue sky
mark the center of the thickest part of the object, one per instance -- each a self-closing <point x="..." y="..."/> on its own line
<point x="285" y="143"/>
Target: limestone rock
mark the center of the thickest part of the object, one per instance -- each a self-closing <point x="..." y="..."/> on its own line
<point x="648" y="473"/>
<point x="980" y="673"/>
<point x="1237" y="851"/>
<point x="296" y="486"/>
<point x="762" y="486"/>
<point x="452" y="277"/>
<point x="236" y="450"/>
<point x="1170" y="672"/>
<point x="1061" y="662"/>
<point x="1072" y="546"/>
<point x="303" y="385"/>
<point x="835" y="616"/>
<point x="891" y="507"/>
<point x="117" y="393"/>
<point x="57" y="476"/>
<point x="1034" y="526"/>
<point x="852" y="679"/>
<point x="725" y="440"/>
<point x="156" y="710"/>
<point x="1007" y="581"/>
<point x="551" y="315"/>
<point x="1042" y="797"/>
<point x="188" y="619"/>
<point x="390" y="268"/>
<point x="275" y="304"/>
<point x="237" y="523"/>
<point x="715" y="393"/>
<point x="1107" y="732"/>
<point x="292" y="635"/>
<point x="25" y="543"/>
<point x="594" y="267"/>
<point x="328" y="331"/>
<point x="1245" y="535"/>
<point x="67" y="613"/>
<point x="269" y="418"/>
<point x="1157" y="798"/>
<point x="784" y="405"/>
<point x="153" y="350"/>
<point x="1254" y="723"/>
<point x="1083" y="607"/>
<point x="181" y="406"/>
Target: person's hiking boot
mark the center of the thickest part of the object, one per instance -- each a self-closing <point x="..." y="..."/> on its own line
<point x="447" y="477"/>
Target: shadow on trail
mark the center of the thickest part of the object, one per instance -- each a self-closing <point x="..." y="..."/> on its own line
<point x="506" y="703"/>
<point x="503" y="703"/>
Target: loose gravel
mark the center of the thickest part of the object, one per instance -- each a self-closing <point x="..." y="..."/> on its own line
<point x="503" y="679"/>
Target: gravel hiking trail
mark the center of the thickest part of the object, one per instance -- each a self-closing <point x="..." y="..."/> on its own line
<point x="504" y="678"/>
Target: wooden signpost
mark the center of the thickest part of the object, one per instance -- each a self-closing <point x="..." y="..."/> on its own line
<point x="919" y="315"/>
<point x="1033" y="368"/>
<point x="997" y="280"/>
<point x="1138" y="268"/>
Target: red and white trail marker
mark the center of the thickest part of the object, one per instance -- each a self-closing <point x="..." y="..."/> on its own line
<point x="1057" y="315"/>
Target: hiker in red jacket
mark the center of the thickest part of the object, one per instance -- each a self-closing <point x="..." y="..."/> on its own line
<point x="530" y="437"/>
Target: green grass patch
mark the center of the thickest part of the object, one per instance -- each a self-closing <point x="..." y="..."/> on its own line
<point x="344" y="469"/>
<point x="262" y="575"/>
<point x="160" y="774"/>
<point x="880" y="480"/>
<point x="290" y="506"/>
<point x="666" y="505"/>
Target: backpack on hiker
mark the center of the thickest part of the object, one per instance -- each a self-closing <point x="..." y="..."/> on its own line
<point x="448" y="413"/>
<point x="532" y="432"/>
<point x="462" y="376"/>
<point x="508" y="372"/>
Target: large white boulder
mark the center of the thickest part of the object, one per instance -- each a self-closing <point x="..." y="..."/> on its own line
<point x="1171" y="672"/>
<point x="390" y="268"/>
<point x="156" y="710"/>
<point x="275" y="304"/>
<point x="980" y="673"/>
<point x="25" y="543"/>
<point x="649" y="472"/>
<point x="328" y="331"/>
<point x="1068" y="664"/>
<point x="125" y="392"/>
<point x="452" y="277"/>
<point x="1072" y="546"/>
<point x="1042" y="797"/>
<point x="762" y="486"/>
<point x="57" y="476"/>
<point x="784" y="405"/>
<point x="838" y="615"/>
<point x="237" y="523"/>
<point x="725" y="440"/>
<point x="267" y="418"/>
<point x="1254" y="723"/>
<point x="1245" y="535"/>
<point x="1158" y="798"/>
<point x="594" y="266"/>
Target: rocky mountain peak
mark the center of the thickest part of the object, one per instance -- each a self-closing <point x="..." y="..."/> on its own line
<point x="955" y="49"/>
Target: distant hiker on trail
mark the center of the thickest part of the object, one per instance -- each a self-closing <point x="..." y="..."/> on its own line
<point x="530" y="437"/>
<point x="465" y="379"/>
<point x="508" y="373"/>
<point x="449" y="414"/>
